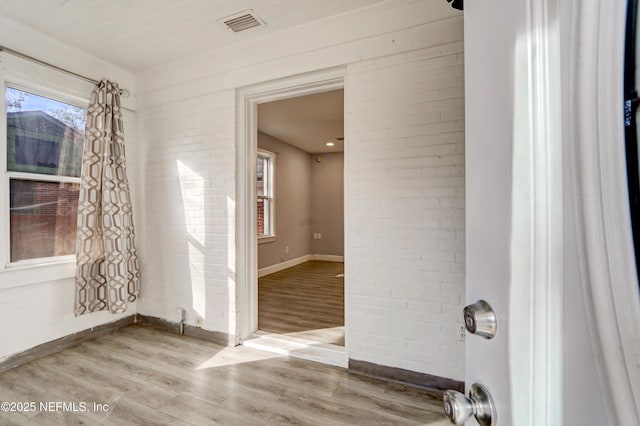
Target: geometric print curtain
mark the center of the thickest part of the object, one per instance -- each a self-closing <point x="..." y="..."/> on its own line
<point x="107" y="276"/>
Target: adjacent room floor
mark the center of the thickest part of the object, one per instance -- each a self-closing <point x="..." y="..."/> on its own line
<point x="142" y="376"/>
<point x="305" y="301"/>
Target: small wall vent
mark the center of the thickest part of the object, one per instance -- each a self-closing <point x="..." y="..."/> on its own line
<point x="242" y="21"/>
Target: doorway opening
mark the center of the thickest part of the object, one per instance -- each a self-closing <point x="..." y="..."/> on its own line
<point x="290" y="264"/>
<point x="300" y="220"/>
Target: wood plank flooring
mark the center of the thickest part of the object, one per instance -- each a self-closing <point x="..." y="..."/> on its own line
<point x="307" y="300"/>
<point x="152" y="377"/>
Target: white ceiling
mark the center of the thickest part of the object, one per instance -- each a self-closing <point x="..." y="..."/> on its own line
<point x="141" y="34"/>
<point x="307" y="122"/>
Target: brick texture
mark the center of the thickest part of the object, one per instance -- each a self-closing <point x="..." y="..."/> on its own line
<point x="405" y="203"/>
<point x="404" y="183"/>
<point x="189" y="202"/>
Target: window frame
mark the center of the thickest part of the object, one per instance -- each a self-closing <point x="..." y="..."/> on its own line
<point x="5" y="248"/>
<point x="270" y="190"/>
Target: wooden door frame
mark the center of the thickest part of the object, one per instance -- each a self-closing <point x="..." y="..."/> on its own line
<point x="247" y="100"/>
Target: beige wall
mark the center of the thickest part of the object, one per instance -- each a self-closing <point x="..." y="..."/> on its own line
<point x="309" y="200"/>
<point x="327" y="204"/>
<point x="293" y="203"/>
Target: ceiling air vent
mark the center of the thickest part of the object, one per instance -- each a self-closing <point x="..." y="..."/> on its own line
<point x="242" y="21"/>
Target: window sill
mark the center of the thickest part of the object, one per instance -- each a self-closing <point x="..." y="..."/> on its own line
<point x="270" y="239"/>
<point x="23" y="275"/>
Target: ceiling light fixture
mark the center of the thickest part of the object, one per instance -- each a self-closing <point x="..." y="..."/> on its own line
<point x="330" y="144"/>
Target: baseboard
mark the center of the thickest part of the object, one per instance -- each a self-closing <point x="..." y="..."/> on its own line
<point x="217" y="337"/>
<point x="272" y="269"/>
<point x="63" y="343"/>
<point x="267" y="270"/>
<point x="327" y="257"/>
<point x="413" y="378"/>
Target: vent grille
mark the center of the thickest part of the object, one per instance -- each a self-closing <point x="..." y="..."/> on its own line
<point x="242" y="21"/>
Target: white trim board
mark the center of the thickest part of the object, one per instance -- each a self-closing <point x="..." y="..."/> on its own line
<point x="535" y="352"/>
<point x="609" y="278"/>
<point x="247" y="100"/>
<point x="327" y="257"/>
<point x="267" y="270"/>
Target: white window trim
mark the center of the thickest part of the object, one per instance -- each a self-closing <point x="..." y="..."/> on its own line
<point x="271" y="191"/>
<point x="31" y="271"/>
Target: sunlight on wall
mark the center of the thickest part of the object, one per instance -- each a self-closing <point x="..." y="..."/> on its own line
<point x="231" y="237"/>
<point x="192" y="187"/>
<point x="198" y="290"/>
<point x="231" y="265"/>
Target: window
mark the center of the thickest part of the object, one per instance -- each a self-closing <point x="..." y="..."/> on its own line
<point x="265" y="190"/>
<point x="44" y="157"/>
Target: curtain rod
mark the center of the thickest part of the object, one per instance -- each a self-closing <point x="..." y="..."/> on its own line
<point x="123" y="92"/>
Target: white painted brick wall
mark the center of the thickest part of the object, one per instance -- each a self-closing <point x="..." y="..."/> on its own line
<point x="44" y="310"/>
<point x="405" y="184"/>
<point x="405" y="241"/>
<point x="405" y="142"/>
<point x="405" y="232"/>
<point x="189" y="210"/>
<point x="37" y="303"/>
<point x="35" y="314"/>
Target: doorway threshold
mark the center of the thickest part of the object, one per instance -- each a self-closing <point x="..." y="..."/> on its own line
<point x="298" y="347"/>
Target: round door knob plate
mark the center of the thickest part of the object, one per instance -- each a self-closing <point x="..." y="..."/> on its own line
<point x="459" y="408"/>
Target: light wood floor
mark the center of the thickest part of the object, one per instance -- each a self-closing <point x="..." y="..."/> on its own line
<point x="306" y="300"/>
<point x="152" y="377"/>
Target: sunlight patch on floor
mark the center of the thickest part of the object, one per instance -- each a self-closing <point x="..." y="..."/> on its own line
<point x="331" y="335"/>
<point x="292" y="345"/>
<point x="236" y="355"/>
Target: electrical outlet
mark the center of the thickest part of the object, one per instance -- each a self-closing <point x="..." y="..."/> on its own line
<point x="462" y="332"/>
<point x="181" y="314"/>
<point x="286" y="249"/>
<point x="319" y="236"/>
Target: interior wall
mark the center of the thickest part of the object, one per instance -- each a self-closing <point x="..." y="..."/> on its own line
<point x="404" y="177"/>
<point x="309" y="200"/>
<point x="293" y="203"/>
<point x="405" y="243"/>
<point x="37" y="302"/>
<point x="327" y="204"/>
<point x="188" y="162"/>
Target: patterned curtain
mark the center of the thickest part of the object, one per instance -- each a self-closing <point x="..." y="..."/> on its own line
<point x="107" y="276"/>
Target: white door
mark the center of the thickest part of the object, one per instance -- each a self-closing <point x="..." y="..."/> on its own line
<point x="512" y="215"/>
<point x="490" y="91"/>
<point x="513" y="208"/>
<point x="529" y="219"/>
